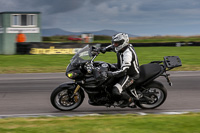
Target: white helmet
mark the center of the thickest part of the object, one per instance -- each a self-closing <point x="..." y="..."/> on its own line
<point x="121" y="39"/>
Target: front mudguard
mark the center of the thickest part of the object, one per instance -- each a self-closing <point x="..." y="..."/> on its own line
<point x="71" y="86"/>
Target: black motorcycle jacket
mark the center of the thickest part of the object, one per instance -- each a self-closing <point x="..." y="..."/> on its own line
<point x="127" y="61"/>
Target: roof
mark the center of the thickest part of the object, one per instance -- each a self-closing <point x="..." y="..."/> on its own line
<point x="19" y="12"/>
<point x="87" y="33"/>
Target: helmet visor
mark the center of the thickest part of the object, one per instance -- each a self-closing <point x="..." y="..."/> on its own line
<point x="117" y="43"/>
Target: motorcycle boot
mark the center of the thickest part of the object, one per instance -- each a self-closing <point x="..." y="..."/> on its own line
<point x="116" y="94"/>
<point x="127" y="100"/>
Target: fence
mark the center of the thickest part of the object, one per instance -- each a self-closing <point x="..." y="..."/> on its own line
<point x="72" y="48"/>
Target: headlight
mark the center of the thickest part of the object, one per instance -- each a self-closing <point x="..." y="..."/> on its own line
<point x="74" y="74"/>
<point x="70" y="75"/>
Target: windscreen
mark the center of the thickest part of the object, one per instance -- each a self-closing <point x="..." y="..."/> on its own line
<point x="82" y="56"/>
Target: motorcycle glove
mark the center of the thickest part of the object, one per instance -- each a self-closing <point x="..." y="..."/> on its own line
<point x="108" y="48"/>
<point x="102" y="50"/>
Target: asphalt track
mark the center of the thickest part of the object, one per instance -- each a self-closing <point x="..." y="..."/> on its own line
<point x="29" y="95"/>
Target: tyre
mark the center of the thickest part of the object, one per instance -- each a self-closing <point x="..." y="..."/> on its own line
<point x="61" y="98"/>
<point x="153" y="96"/>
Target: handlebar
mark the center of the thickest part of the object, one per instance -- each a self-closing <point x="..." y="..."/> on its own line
<point x="93" y="59"/>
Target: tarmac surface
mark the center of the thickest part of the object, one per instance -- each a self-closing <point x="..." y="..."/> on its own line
<point x="24" y="95"/>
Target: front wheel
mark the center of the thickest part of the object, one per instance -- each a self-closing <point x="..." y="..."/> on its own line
<point x="153" y="96"/>
<point x="61" y="98"/>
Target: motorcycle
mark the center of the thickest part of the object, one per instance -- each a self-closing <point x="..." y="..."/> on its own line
<point x="91" y="77"/>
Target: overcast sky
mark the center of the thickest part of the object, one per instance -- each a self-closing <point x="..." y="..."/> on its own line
<point x="138" y="17"/>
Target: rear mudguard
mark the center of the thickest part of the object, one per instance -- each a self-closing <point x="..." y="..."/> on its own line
<point x="155" y="82"/>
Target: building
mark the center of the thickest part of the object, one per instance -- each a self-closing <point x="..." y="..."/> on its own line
<point x="11" y="23"/>
<point x="87" y="37"/>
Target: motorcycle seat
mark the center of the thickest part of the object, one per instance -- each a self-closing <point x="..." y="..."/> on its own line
<point x="148" y="71"/>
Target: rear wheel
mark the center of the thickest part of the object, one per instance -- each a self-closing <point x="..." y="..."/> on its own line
<point x="61" y="98"/>
<point x="153" y="96"/>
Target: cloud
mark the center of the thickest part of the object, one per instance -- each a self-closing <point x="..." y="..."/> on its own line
<point x="157" y="5"/>
<point x="106" y="10"/>
<point x="97" y="2"/>
<point x="147" y="16"/>
<point x="56" y="6"/>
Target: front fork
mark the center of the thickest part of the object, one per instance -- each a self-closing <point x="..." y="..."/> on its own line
<point x="77" y="88"/>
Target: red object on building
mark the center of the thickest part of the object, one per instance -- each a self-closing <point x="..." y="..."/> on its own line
<point x="20" y="37"/>
<point x="74" y="38"/>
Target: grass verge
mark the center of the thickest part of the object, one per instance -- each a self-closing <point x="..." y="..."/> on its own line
<point x="187" y="123"/>
<point x="57" y="63"/>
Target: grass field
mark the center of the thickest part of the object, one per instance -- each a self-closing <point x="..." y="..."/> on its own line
<point x="187" y="123"/>
<point x="140" y="39"/>
<point x="159" y="39"/>
<point x="190" y="57"/>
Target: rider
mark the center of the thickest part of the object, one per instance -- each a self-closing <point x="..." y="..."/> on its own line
<point x="127" y="66"/>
